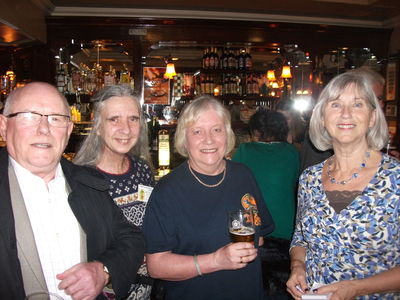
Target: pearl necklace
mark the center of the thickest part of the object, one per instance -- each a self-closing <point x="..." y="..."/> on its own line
<point x="355" y="174"/>
<point x="205" y="184"/>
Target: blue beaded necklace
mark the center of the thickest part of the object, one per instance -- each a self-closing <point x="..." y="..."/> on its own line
<point x="355" y="174"/>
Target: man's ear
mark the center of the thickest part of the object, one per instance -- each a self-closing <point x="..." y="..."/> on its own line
<point x="3" y="127"/>
<point x="70" y="128"/>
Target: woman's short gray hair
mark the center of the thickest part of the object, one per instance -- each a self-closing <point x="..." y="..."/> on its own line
<point x="377" y="135"/>
<point x="92" y="147"/>
<point x="192" y="112"/>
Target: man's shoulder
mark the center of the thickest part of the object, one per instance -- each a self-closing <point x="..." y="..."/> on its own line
<point x="3" y="155"/>
<point x="83" y="174"/>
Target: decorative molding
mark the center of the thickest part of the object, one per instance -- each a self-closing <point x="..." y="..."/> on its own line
<point x="355" y="2"/>
<point x="45" y="5"/>
<point x="211" y="15"/>
<point x="392" y="23"/>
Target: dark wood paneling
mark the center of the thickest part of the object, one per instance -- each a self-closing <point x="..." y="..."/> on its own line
<point x="317" y="39"/>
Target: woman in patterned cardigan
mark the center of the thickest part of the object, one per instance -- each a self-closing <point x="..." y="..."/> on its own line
<point x="118" y="147"/>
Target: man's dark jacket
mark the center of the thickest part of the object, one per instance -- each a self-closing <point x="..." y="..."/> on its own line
<point x="110" y="238"/>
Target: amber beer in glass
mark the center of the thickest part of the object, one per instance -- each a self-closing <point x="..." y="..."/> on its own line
<point x="241" y="226"/>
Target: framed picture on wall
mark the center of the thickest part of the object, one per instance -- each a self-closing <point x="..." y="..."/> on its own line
<point x="391" y="110"/>
<point x="156" y="87"/>
<point x="391" y="78"/>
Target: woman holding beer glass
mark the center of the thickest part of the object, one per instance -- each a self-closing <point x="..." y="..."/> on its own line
<point x="185" y="226"/>
<point x="348" y="220"/>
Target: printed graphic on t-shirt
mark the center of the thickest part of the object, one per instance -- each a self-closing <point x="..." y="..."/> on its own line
<point x="248" y="202"/>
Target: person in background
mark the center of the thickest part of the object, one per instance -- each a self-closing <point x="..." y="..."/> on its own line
<point x="118" y="147"/>
<point x="377" y="83"/>
<point x="294" y="120"/>
<point x="185" y="226"/>
<point x="60" y="230"/>
<point x="275" y="164"/>
<point x="348" y="219"/>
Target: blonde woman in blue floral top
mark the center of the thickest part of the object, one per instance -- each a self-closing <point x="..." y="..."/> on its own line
<point x="347" y="235"/>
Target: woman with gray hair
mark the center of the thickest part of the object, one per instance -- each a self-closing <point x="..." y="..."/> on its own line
<point x="348" y="220"/>
<point x="185" y="226"/>
<point x="118" y="147"/>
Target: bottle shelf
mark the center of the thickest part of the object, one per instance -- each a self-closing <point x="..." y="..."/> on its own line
<point x="236" y="98"/>
<point x="228" y="71"/>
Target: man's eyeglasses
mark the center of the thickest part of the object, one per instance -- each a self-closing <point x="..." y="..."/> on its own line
<point x="29" y="118"/>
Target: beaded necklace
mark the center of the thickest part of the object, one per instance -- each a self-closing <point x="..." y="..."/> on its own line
<point x="355" y="174"/>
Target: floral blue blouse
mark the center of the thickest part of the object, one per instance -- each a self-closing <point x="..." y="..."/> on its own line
<point x="360" y="241"/>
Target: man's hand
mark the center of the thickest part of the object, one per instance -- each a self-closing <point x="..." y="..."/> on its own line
<point x="84" y="281"/>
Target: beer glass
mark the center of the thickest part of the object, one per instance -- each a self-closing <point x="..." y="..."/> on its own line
<point x="241" y="226"/>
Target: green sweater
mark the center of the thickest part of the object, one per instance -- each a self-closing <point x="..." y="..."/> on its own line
<point x="276" y="168"/>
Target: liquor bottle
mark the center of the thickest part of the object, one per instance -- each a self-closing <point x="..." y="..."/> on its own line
<point x="237" y="54"/>
<point x="209" y="85"/>
<point x="206" y="60"/>
<point x="202" y="84"/>
<point x="232" y="84"/>
<point x="255" y="87"/>
<point x="60" y="79"/>
<point x="241" y="60"/>
<point x="91" y="80"/>
<point x="69" y="85"/>
<point x="224" y="85"/>
<point x="216" y="58"/>
<point x="99" y="78"/>
<point x="206" y="85"/>
<point x="225" y="89"/>
<point x="249" y="85"/>
<point x="212" y="85"/>
<point x="239" y="85"/>
<point x="76" y="80"/>
<point x="125" y="75"/>
<point x="212" y="59"/>
<point x="203" y="63"/>
<point x="224" y="59"/>
<point x="227" y="85"/>
<point x="109" y="77"/>
<point x="248" y="60"/>
<point x="231" y="60"/>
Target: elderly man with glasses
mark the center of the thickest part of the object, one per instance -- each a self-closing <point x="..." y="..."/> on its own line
<point x="60" y="232"/>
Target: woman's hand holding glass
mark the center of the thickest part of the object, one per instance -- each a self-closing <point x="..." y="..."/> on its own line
<point x="241" y="251"/>
<point x="235" y="256"/>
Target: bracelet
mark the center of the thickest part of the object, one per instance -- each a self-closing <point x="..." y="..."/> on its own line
<point x="196" y="264"/>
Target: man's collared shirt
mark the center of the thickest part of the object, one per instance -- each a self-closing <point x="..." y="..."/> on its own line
<point x="56" y="230"/>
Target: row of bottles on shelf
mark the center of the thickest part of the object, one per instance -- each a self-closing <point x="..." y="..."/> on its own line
<point x="231" y="85"/>
<point x="8" y="83"/>
<point x="235" y="85"/>
<point x="227" y="59"/>
<point x="87" y="80"/>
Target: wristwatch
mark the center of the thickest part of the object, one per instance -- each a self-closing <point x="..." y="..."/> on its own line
<point x="105" y="269"/>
